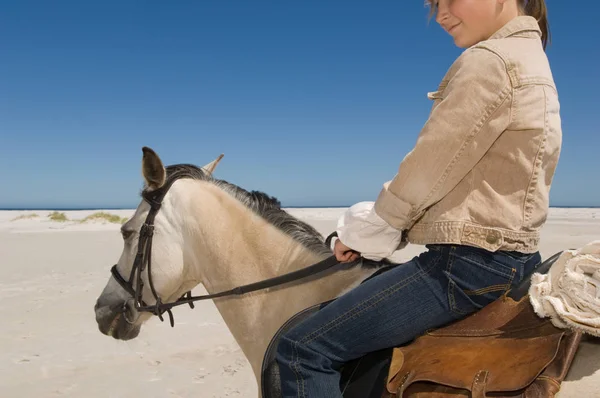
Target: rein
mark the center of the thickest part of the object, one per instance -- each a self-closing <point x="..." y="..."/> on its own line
<point x="143" y="259"/>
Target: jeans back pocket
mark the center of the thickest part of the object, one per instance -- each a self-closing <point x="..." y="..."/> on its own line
<point x="477" y="277"/>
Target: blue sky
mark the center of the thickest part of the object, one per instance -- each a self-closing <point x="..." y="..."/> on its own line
<point x="315" y="102"/>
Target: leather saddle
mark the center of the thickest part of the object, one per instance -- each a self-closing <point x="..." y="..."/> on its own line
<point x="503" y="350"/>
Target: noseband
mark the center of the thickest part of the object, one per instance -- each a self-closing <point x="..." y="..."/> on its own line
<point x="143" y="260"/>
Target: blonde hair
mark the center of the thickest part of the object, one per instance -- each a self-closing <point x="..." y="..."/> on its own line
<point x="533" y="8"/>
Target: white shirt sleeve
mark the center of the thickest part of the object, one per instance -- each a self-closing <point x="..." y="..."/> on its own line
<point x="361" y="229"/>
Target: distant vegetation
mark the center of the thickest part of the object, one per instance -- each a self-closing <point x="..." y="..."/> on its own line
<point x="25" y="217"/>
<point x="62" y="217"/>
<point x="56" y="216"/>
<point x="112" y="218"/>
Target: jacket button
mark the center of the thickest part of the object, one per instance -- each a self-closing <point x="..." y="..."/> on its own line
<point x="492" y="239"/>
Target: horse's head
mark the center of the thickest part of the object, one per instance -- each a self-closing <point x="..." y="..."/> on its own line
<point x="152" y="264"/>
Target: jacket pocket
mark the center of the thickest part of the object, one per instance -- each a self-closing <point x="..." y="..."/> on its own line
<point x="477" y="277"/>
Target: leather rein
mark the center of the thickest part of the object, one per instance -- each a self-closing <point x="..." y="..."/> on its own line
<point x="143" y="260"/>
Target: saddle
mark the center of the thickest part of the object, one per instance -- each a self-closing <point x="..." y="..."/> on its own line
<point x="503" y="350"/>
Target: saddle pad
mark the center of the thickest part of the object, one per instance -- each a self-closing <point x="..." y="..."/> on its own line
<point x="271" y="384"/>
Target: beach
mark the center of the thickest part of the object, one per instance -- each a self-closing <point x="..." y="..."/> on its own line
<point x="52" y="271"/>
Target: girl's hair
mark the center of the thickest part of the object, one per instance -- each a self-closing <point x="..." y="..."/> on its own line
<point x="538" y="10"/>
<point x="533" y="8"/>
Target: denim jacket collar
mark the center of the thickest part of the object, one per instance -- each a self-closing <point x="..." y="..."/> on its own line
<point x="523" y="25"/>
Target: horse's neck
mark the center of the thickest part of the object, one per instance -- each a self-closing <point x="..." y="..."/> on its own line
<point x="238" y="248"/>
<point x="232" y="245"/>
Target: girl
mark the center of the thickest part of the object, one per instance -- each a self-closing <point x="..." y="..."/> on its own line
<point x="474" y="191"/>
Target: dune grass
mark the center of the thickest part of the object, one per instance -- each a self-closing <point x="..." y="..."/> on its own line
<point x="25" y="217"/>
<point x="62" y="217"/>
<point x="58" y="216"/>
<point x="101" y="215"/>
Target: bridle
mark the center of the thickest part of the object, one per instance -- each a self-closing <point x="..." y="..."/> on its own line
<point x="143" y="261"/>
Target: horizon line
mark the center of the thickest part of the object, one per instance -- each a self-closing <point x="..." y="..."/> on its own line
<point x="85" y="208"/>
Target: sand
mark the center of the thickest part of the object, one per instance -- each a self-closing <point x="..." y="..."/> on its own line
<point x="52" y="272"/>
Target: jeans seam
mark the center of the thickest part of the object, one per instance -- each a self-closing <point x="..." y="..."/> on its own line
<point x="294" y="364"/>
<point x="351" y="314"/>
<point x="521" y="272"/>
<point x="451" y="300"/>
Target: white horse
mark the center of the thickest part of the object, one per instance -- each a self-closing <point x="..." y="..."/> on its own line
<point x="214" y="233"/>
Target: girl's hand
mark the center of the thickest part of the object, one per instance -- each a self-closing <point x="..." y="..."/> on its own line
<point x="343" y="253"/>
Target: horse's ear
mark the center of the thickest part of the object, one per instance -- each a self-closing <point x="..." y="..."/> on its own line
<point x="210" y="168"/>
<point x="152" y="169"/>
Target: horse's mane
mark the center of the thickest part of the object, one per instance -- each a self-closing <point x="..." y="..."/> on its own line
<point x="266" y="206"/>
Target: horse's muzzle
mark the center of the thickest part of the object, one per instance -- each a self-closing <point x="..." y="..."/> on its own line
<point x="119" y="323"/>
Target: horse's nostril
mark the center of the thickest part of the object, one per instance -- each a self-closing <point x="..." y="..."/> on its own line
<point x="129" y="312"/>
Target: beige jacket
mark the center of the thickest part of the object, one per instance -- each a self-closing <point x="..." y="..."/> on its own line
<point x="481" y="170"/>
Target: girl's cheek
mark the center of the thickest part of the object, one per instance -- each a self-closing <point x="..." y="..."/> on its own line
<point x="458" y="7"/>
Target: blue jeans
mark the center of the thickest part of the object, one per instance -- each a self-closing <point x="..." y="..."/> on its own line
<point x="441" y="285"/>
